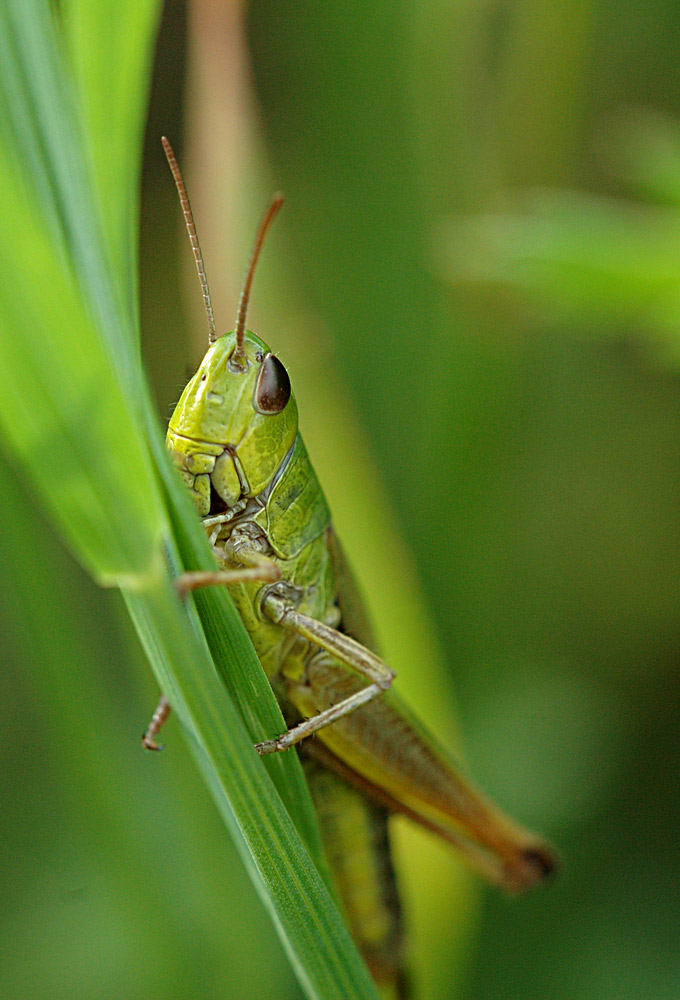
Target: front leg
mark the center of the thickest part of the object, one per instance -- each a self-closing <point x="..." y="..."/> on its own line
<point x="244" y="548"/>
<point x="255" y="566"/>
<point x="267" y="571"/>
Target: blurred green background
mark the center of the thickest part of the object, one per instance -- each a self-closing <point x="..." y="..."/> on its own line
<point x="475" y="284"/>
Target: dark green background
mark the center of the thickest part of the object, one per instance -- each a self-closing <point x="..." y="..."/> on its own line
<point x="510" y="350"/>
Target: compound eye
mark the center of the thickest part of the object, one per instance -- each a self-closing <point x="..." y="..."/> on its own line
<point x="272" y="389"/>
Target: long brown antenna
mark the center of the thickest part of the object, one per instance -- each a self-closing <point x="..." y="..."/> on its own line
<point x="238" y="356"/>
<point x="193" y="238"/>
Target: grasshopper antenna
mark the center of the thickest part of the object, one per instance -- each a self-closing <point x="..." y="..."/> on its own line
<point x="193" y="238"/>
<point x="238" y="357"/>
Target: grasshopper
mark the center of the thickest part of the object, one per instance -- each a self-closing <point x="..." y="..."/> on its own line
<point x="234" y="440"/>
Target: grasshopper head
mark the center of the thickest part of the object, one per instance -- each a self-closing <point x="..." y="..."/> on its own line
<point x="234" y="424"/>
<point x="237" y="418"/>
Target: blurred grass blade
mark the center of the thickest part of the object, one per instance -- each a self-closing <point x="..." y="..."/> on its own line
<point x="40" y="127"/>
<point x="110" y="46"/>
<point x="535" y="125"/>
<point x="597" y="259"/>
<point x="641" y="146"/>
<point x="61" y="408"/>
<point x="55" y="634"/>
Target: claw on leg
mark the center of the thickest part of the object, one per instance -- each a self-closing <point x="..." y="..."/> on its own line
<point x="156" y="724"/>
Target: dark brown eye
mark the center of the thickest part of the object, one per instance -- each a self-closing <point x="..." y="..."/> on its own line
<point x="272" y="389"/>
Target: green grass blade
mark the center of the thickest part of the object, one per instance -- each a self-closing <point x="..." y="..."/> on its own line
<point x="61" y="408"/>
<point x="110" y="48"/>
<point x="39" y="121"/>
<point x="82" y="427"/>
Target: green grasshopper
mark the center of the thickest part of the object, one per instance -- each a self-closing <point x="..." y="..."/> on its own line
<point x="235" y="442"/>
